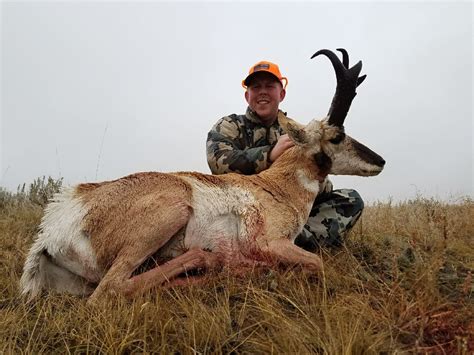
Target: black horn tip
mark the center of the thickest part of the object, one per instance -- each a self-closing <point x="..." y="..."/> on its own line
<point x="321" y="51"/>
<point x="345" y="57"/>
<point x="336" y="62"/>
<point x="361" y="79"/>
<point x="357" y="68"/>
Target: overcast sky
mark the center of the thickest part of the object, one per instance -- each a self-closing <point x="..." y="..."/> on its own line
<point x="94" y="91"/>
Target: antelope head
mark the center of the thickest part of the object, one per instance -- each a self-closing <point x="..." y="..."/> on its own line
<point x="333" y="151"/>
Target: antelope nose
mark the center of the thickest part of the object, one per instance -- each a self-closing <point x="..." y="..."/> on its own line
<point x="378" y="160"/>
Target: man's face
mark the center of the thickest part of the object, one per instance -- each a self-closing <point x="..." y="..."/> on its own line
<point x="264" y="94"/>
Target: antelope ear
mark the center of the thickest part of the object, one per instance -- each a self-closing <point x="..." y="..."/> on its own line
<point x="294" y="130"/>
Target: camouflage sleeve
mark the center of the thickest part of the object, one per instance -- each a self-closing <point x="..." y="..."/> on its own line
<point x="226" y="153"/>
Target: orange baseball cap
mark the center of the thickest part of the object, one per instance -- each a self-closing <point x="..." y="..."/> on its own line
<point x="269" y="67"/>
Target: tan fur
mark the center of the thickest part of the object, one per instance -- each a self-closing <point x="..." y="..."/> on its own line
<point x="131" y="218"/>
<point x="130" y="208"/>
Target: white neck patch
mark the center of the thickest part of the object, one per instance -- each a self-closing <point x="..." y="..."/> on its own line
<point x="312" y="185"/>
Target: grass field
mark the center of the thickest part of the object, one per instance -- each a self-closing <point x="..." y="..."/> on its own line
<point x="402" y="284"/>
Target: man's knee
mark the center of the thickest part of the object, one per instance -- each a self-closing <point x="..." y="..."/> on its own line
<point x="330" y="220"/>
<point x="348" y="202"/>
<point x="358" y="201"/>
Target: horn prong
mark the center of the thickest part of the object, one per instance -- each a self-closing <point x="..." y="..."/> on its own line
<point x="361" y="79"/>
<point x="347" y="81"/>
<point x="345" y="57"/>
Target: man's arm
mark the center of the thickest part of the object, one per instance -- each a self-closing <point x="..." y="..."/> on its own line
<point x="226" y="154"/>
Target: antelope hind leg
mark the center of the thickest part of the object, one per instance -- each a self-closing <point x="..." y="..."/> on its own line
<point x="155" y="231"/>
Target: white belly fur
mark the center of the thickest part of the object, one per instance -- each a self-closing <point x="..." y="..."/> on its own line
<point x="216" y="222"/>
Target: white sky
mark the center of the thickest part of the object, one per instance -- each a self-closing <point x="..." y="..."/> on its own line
<point x="98" y="90"/>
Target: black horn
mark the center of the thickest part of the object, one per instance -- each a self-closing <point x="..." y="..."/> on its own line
<point x="347" y="81"/>
<point x="345" y="57"/>
<point x="345" y="62"/>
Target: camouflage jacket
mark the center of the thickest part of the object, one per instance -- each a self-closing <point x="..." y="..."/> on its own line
<point x="242" y="144"/>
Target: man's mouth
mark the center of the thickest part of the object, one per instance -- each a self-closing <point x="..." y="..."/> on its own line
<point x="263" y="101"/>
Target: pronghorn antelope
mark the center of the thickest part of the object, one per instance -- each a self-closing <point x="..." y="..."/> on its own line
<point x="94" y="236"/>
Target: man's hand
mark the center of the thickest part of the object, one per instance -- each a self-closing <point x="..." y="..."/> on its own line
<point x="284" y="142"/>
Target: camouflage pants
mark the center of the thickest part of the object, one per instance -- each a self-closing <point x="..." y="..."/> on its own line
<point x="331" y="217"/>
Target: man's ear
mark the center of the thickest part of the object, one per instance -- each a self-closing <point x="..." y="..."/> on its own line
<point x="294" y="130"/>
<point x="282" y="94"/>
<point x="247" y="96"/>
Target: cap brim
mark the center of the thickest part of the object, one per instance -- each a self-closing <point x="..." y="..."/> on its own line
<point x="247" y="79"/>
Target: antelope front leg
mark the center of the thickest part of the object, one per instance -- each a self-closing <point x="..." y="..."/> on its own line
<point x="285" y="252"/>
<point x="192" y="259"/>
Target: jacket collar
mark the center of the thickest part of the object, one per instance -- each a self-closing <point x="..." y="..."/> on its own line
<point x="253" y="117"/>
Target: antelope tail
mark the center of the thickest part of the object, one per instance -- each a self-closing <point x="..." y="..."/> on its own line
<point x="32" y="280"/>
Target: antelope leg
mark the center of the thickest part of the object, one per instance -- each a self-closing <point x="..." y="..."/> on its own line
<point x="192" y="259"/>
<point x="285" y="252"/>
<point x="155" y="231"/>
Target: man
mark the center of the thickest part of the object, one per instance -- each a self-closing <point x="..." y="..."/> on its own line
<point x="250" y="143"/>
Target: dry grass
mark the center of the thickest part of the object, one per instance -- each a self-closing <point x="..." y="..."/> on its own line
<point x="403" y="283"/>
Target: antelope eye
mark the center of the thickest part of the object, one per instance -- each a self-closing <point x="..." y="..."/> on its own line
<point x="338" y="139"/>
